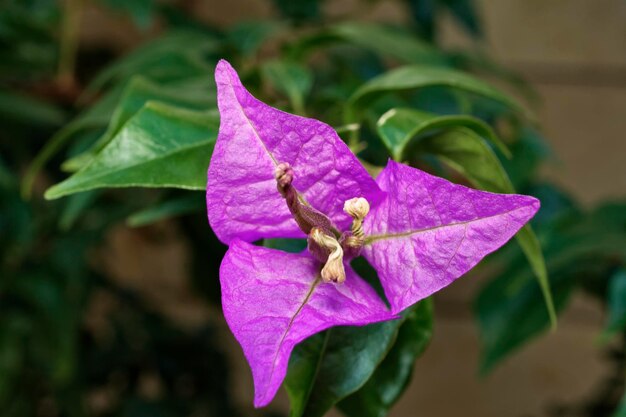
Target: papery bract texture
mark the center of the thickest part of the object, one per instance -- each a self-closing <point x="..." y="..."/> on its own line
<point x="242" y="199"/>
<point x="273" y="300"/>
<point x="427" y="232"/>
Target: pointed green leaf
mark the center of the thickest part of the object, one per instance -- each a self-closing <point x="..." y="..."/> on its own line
<point x="415" y="77"/>
<point x="393" y="375"/>
<point x="114" y="109"/>
<point x="531" y="247"/>
<point x="469" y="154"/>
<point x="332" y="365"/>
<point x="291" y="79"/>
<point x="399" y="126"/>
<point x="194" y="94"/>
<point x="161" y="146"/>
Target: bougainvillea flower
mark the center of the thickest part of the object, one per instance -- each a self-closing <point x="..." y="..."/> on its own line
<point x="277" y="175"/>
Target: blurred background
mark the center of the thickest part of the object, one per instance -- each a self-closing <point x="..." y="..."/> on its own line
<point x="104" y="315"/>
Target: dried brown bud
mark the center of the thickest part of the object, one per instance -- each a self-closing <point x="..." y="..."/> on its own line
<point x="333" y="270"/>
<point x="283" y="174"/>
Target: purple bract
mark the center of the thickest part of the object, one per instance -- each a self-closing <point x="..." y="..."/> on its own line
<point x="277" y="175"/>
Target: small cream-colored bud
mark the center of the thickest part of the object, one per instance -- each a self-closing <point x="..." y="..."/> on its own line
<point x="333" y="270"/>
<point x="357" y="208"/>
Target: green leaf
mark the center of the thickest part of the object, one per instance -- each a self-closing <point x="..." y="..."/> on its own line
<point x="393" y="375"/>
<point x="114" y="109"/>
<point x="166" y="209"/>
<point x="192" y="94"/>
<point x="616" y="300"/>
<point x="398" y="126"/>
<point x="415" y="77"/>
<point x="531" y="247"/>
<point x="161" y="146"/>
<point x="332" y="365"/>
<point x="466" y="152"/>
<point x="291" y="79"/>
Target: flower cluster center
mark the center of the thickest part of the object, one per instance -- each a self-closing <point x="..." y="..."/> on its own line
<point x="324" y="241"/>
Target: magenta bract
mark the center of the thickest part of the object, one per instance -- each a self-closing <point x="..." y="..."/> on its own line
<point x="273" y="300"/>
<point x="427" y="232"/>
<point x="421" y="233"/>
<point x="242" y="201"/>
